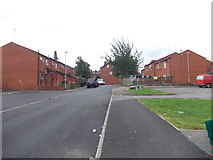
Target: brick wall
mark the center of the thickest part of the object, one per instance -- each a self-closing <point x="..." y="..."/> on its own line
<point x="19" y="68"/>
<point x="183" y="67"/>
<point x="106" y="75"/>
<point x="187" y="65"/>
<point x="25" y="69"/>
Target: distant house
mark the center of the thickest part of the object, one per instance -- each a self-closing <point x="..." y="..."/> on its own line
<point x="25" y="69"/>
<point x="181" y="67"/>
<point x="95" y="74"/>
<point x="107" y="76"/>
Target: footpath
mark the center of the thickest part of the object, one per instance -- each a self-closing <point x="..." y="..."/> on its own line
<point x="198" y="137"/>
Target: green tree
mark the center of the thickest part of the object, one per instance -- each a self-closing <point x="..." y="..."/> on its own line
<point x="125" y="62"/>
<point x="82" y="68"/>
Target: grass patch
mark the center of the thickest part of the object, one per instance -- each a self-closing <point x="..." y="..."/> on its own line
<point x="183" y="113"/>
<point x="147" y="91"/>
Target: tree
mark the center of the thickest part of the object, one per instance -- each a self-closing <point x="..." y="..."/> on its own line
<point x="82" y="68"/>
<point x="123" y="62"/>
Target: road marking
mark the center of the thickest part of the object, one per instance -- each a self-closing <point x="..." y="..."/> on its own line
<point x="28" y="104"/>
<point x="101" y="140"/>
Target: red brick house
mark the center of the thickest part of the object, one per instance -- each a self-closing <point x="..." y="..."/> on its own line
<point x="95" y="74"/>
<point x="181" y="67"/>
<point x="107" y="76"/>
<point x="25" y="69"/>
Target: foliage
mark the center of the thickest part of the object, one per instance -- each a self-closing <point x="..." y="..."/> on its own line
<point x="82" y="68"/>
<point x="183" y="113"/>
<point x="123" y="61"/>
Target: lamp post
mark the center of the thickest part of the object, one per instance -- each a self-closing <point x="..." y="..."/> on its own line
<point x="65" y="73"/>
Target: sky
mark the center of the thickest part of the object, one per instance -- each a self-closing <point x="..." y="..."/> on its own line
<point x="86" y="28"/>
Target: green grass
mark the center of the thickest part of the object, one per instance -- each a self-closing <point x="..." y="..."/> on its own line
<point x="147" y="91"/>
<point x="183" y="113"/>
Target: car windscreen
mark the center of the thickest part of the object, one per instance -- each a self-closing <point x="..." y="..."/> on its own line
<point x="90" y="80"/>
<point x="199" y="77"/>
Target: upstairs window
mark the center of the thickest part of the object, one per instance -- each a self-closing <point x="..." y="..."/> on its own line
<point x="150" y="67"/>
<point x="164" y="65"/>
<point x="157" y="66"/>
<point x="107" y="66"/>
<point x="110" y="73"/>
<point x="47" y="62"/>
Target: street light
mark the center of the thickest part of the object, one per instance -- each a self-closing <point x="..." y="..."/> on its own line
<point x="65" y="73"/>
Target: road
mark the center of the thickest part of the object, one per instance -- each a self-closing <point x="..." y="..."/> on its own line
<point x="60" y="127"/>
<point x="61" y="124"/>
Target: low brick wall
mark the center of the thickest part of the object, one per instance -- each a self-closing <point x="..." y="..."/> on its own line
<point x="50" y="88"/>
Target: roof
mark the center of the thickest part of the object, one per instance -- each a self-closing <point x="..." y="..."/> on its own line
<point x="36" y="52"/>
<point x="105" y="64"/>
<point x="162" y="59"/>
<point x="194" y="53"/>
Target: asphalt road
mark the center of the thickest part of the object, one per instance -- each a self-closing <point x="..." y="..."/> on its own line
<point x="60" y="125"/>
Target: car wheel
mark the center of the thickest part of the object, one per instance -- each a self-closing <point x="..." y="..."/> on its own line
<point x="208" y="85"/>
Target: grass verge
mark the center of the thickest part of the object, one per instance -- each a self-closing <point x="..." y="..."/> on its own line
<point x="183" y="113"/>
<point x="147" y="91"/>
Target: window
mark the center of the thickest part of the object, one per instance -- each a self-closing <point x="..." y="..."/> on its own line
<point x="110" y="72"/>
<point x="47" y="62"/>
<point x="107" y="66"/>
<point x="164" y="65"/>
<point x="199" y="78"/>
<point x="150" y="67"/>
<point x="157" y="66"/>
<point x="41" y="59"/>
<point x="41" y="75"/>
<point x="48" y="70"/>
<point x="61" y="66"/>
<point x="56" y="66"/>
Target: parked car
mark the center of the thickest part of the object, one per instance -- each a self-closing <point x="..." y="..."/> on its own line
<point x="204" y="80"/>
<point x="92" y="83"/>
<point x="101" y="81"/>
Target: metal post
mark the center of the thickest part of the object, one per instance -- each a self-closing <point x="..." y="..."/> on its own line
<point x="65" y="72"/>
<point x="188" y="67"/>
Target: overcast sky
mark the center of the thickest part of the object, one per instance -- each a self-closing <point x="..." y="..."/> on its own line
<point x="87" y="27"/>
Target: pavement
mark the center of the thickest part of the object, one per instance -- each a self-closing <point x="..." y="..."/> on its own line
<point x="198" y="137"/>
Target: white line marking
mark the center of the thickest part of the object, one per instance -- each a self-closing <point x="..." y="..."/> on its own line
<point x="101" y="140"/>
<point x="30" y="103"/>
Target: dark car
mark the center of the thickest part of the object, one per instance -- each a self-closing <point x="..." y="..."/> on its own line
<point x="92" y="83"/>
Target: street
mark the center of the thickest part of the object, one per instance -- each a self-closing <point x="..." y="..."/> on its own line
<point x="68" y="124"/>
<point x="61" y="127"/>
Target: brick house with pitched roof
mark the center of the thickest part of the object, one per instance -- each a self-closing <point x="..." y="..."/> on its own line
<point x="107" y="76"/>
<point x="25" y="69"/>
<point x="182" y="67"/>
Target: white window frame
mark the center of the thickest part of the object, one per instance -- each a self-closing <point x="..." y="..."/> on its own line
<point x="47" y="63"/>
<point x="164" y="64"/>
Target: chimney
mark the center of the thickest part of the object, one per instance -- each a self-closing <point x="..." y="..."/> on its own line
<point x="55" y="56"/>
